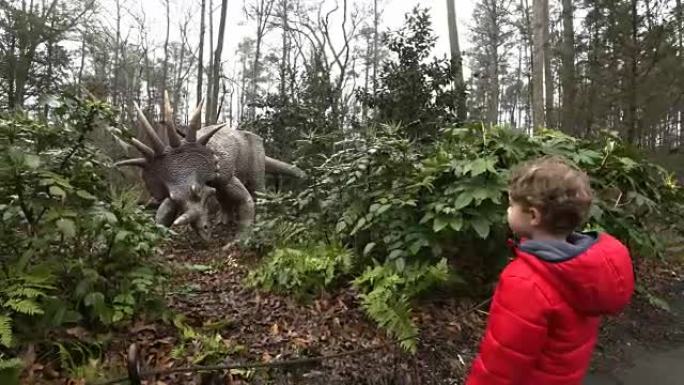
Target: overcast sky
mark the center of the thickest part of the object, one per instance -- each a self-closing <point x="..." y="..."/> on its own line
<point x="237" y="27"/>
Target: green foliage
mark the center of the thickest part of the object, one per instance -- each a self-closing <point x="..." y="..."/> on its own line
<point x="71" y="249"/>
<point x="406" y="206"/>
<point x="304" y="271"/>
<point x="201" y="348"/>
<point x="387" y="292"/>
<point x="412" y="90"/>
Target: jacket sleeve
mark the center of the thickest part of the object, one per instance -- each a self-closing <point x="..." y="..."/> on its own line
<point x="515" y="334"/>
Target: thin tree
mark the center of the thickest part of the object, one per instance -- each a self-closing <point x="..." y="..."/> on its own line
<point x="538" y="118"/>
<point x="548" y="71"/>
<point x="165" y="66"/>
<point x="262" y="12"/>
<point x="200" y="62"/>
<point x="213" y="115"/>
<point x="567" y="76"/>
<point x="456" y="62"/>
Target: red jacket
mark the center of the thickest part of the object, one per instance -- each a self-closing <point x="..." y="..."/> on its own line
<point x="544" y="318"/>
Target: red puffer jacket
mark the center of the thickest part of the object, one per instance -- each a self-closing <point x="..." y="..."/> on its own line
<point x="544" y="318"/>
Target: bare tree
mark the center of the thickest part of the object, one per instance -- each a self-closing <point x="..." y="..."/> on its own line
<point x="285" y="55"/>
<point x="538" y="118"/>
<point x="456" y="62"/>
<point x="548" y="71"/>
<point x="261" y="12"/>
<point x="339" y="59"/>
<point x="568" y="77"/>
<point x="200" y="62"/>
<point x="165" y="67"/>
<point x="216" y="68"/>
<point x="210" y="73"/>
<point x="28" y="29"/>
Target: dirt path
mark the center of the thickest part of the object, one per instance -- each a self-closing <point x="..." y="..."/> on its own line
<point x="233" y="323"/>
<point x="651" y="361"/>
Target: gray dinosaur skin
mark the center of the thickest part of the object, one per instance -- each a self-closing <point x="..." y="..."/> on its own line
<point x="185" y="174"/>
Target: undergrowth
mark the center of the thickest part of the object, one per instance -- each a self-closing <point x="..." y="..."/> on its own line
<point x="73" y="251"/>
<point x="403" y="209"/>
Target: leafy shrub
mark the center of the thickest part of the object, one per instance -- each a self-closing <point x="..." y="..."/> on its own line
<point x="71" y="249"/>
<point x="407" y="206"/>
<point x="386" y="294"/>
<point x="304" y="271"/>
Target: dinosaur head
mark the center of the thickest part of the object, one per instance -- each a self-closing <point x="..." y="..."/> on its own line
<point x="180" y="170"/>
<point x="192" y="204"/>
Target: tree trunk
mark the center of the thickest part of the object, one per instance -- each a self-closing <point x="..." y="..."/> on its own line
<point x="568" y="85"/>
<point x="285" y="54"/>
<point x="376" y="22"/>
<point x="456" y="63"/>
<point x="210" y="75"/>
<point x="538" y="119"/>
<point x="525" y="6"/>
<point x="213" y="117"/>
<point x="200" y="64"/>
<point x="515" y="115"/>
<point x="83" y="57"/>
<point x="631" y="113"/>
<point x="254" y="87"/>
<point x="117" y="44"/>
<point x="165" y="68"/>
<point x="680" y="35"/>
<point x="548" y="73"/>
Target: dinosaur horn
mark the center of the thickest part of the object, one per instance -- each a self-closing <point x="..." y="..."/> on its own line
<point x="174" y="139"/>
<point x="204" y="139"/>
<point x="185" y="218"/>
<point x="182" y="220"/>
<point x="157" y="143"/>
<point x="137" y="162"/>
<point x="147" y="152"/>
<point x="195" y="123"/>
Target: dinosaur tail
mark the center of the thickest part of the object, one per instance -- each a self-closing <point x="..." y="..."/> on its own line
<point x="274" y="166"/>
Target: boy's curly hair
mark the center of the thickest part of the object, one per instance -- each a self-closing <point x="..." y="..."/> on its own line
<point x="560" y="191"/>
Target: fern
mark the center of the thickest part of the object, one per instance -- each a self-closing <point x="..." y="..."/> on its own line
<point x="386" y="295"/>
<point x="6" y="336"/>
<point x="23" y="306"/>
<point x="11" y="363"/>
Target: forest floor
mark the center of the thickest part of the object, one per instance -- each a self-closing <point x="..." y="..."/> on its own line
<point x="240" y="324"/>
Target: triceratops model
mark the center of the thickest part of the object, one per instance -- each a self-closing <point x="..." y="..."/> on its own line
<point x="185" y="173"/>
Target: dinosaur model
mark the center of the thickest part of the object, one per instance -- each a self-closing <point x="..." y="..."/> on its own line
<point x="188" y="172"/>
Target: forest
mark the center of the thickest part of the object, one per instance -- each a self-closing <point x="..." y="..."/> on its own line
<point x="375" y="248"/>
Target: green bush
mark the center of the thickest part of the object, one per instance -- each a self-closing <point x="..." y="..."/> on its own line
<point x="408" y="206"/>
<point x="303" y="271"/>
<point x="72" y="250"/>
<point x="386" y="295"/>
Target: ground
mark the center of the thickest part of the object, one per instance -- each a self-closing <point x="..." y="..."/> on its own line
<point x="228" y="322"/>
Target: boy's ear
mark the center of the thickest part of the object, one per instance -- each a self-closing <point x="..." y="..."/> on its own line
<point x="535" y="216"/>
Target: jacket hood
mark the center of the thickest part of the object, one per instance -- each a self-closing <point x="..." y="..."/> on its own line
<point x="593" y="272"/>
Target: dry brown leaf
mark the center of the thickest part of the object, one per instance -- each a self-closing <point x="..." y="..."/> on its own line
<point x="78" y="332"/>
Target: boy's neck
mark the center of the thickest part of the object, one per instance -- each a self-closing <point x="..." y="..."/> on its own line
<point x="546" y="236"/>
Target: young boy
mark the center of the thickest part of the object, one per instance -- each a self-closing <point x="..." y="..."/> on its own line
<point x="544" y="318"/>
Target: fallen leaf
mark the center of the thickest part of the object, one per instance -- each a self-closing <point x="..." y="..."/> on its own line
<point x="78" y="332"/>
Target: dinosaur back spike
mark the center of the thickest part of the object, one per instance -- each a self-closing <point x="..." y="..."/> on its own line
<point x="137" y="162"/>
<point x="157" y="143"/>
<point x="195" y="123"/>
<point x="147" y="152"/>
<point x="204" y="139"/>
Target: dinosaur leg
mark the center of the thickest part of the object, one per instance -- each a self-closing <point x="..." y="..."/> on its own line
<point x="166" y="213"/>
<point x="235" y="193"/>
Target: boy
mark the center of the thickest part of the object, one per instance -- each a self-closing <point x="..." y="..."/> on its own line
<point x="544" y="318"/>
